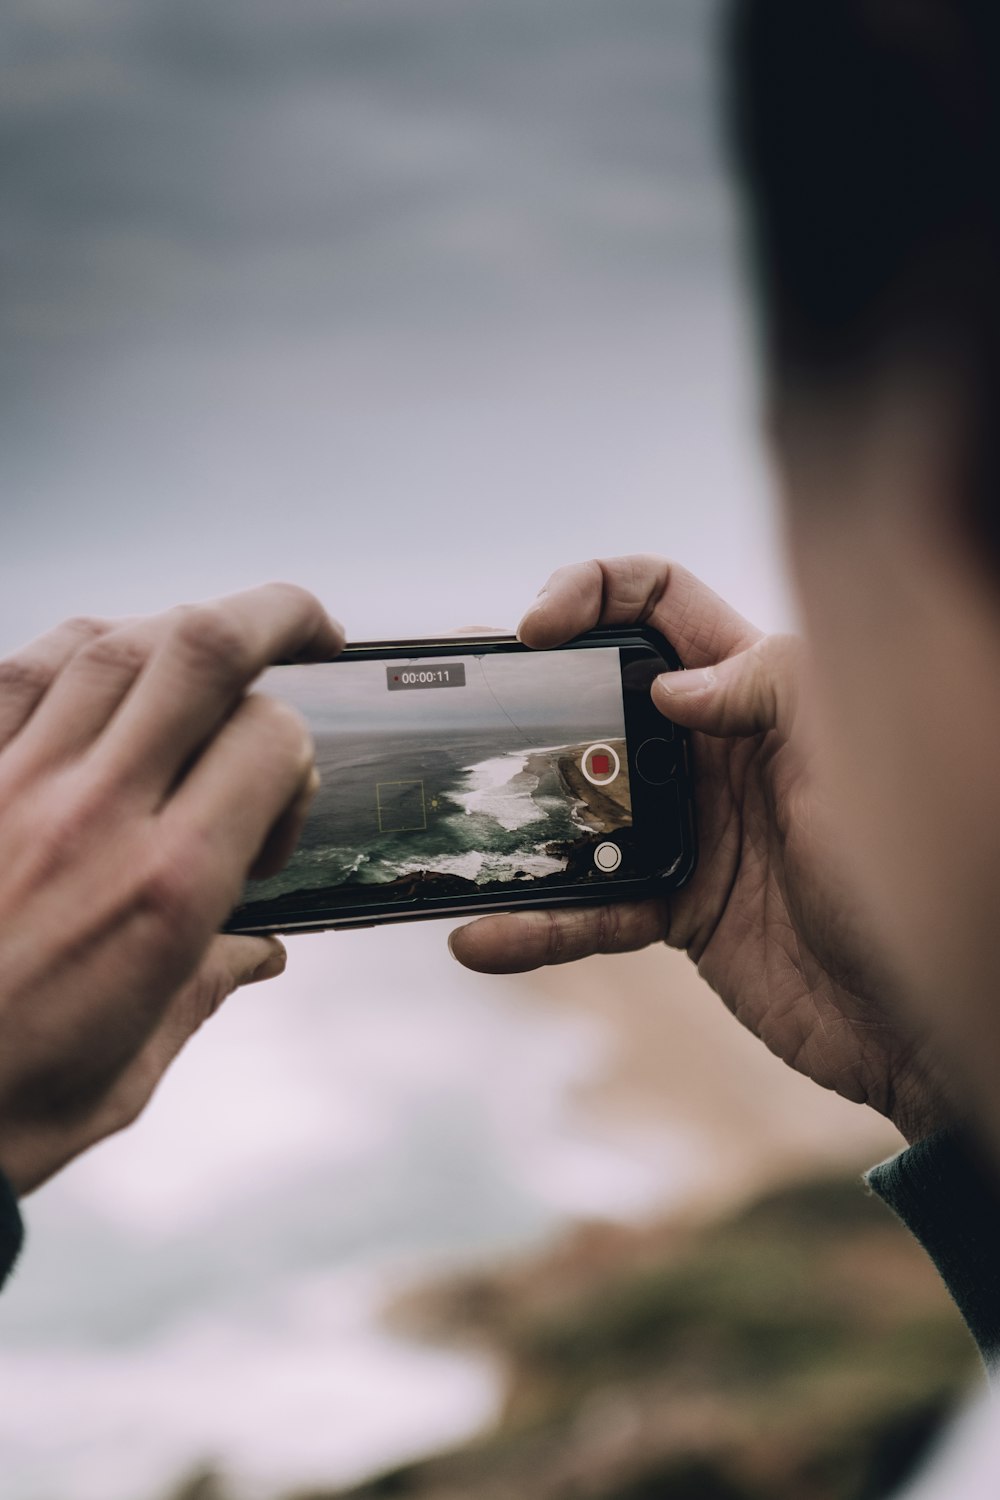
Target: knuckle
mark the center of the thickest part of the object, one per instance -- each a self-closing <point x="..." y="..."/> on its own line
<point x="635" y="579"/>
<point x="782" y="657"/>
<point x="301" y="606"/>
<point x="555" y="938"/>
<point x="588" y="576"/>
<point x="31" y="672"/>
<point x="121" y="655"/>
<point x="702" y="635"/>
<point x="294" y="596"/>
<point x="164" y="897"/>
<point x="652" y="578"/>
<point x="171" y="887"/>
<point x="608" y="929"/>
<point x="210" y="640"/>
<point x="65" y="831"/>
<point x="83" y="628"/>
<point x="24" y="676"/>
<point x="80" y="808"/>
<point x="637" y="583"/>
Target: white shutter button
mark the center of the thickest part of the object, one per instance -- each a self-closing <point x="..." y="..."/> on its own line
<point x="607" y="857"/>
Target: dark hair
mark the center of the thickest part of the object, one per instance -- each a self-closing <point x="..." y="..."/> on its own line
<point x="868" y="136"/>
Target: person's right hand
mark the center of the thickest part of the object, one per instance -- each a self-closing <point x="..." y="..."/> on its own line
<point x="771" y="926"/>
<point x="140" y="784"/>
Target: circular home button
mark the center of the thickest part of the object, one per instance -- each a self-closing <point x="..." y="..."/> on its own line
<point x="607" y="857"/>
<point x="656" y="762"/>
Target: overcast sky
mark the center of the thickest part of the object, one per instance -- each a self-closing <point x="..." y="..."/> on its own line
<point x="410" y="300"/>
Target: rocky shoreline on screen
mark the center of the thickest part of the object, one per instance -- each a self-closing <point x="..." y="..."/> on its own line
<point x="606" y="811"/>
<point x="436" y="885"/>
<point x="603" y="808"/>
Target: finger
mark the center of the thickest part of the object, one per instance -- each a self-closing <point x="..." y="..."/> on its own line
<point x="638" y="590"/>
<point x="748" y="694"/>
<point x="516" y="942"/>
<point x="232" y="962"/>
<point x="206" y="658"/>
<point x="251" y="776"/>
<point x="251" y="966"/>
<point x="282" y="841"/>
<point x="88" y="691"/>
<point x="28" y="675"/>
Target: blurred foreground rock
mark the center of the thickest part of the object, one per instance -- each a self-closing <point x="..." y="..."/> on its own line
<point x="799" y="1349"/>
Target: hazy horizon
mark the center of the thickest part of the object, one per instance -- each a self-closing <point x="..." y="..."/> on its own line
<point x="547" y="690"/>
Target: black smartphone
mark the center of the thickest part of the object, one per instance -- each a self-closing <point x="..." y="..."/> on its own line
<point x="473" y="775"/>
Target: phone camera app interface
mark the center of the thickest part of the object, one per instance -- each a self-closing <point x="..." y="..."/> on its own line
<point x="444" y="777"/>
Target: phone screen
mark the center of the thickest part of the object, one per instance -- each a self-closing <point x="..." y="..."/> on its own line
<point x="451" y="775"/>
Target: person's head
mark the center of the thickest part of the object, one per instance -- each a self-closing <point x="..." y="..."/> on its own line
<point x="868" y="133"/>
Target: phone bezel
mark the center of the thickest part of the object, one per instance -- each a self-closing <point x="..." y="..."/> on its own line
<point x="642" y="722"/>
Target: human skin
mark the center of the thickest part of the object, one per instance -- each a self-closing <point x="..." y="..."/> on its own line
<point x="140" y="785"/>
<point x="773" y="917"/>
<point x="900" y="599"/>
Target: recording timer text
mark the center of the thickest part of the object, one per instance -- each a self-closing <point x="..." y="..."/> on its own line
<point x="448" y="674"/>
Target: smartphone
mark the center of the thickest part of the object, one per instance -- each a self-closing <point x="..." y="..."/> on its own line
<point x="472" y="775"/>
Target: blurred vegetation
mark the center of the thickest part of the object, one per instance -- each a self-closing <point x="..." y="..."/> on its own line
<point x="803" y="1349"/>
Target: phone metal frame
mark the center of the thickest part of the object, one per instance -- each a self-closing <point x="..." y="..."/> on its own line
<point x="643" y="639"/>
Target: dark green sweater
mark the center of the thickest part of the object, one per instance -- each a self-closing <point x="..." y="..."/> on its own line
<point x="949" y="1199"/>
<point x="11" y="1229"/>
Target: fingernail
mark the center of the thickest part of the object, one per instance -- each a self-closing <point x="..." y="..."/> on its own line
<point x="271" y="967"/>
<point x="314" y="783"/>
<point x="531" y="610"/>
<point x="700" y="680"/>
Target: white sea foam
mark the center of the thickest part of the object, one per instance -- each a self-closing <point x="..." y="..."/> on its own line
<point x="490" y="789"/>
<point x="494" y="866"/>
<point x="469" y="865"/>
<point x="577" y="818"/>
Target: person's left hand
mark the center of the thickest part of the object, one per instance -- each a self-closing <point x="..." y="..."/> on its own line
<point x="231" y="963"/>
<point x="141" y="785"/>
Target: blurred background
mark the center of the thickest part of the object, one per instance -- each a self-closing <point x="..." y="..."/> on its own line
<point x="412" y="301"/>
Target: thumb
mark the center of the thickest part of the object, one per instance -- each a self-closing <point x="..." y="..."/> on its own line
<point x="231" y="962"/>
<point x="248" y="960"/>
<point x="746" y="694"/>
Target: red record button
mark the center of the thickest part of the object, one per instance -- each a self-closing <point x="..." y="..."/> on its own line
<point x="600" y="764"/>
